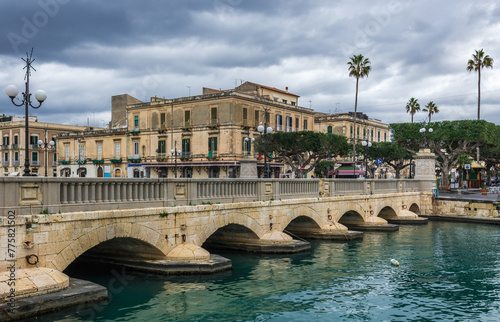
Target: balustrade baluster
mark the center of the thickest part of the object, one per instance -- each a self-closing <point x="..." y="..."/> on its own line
<point x="64" y="193"/>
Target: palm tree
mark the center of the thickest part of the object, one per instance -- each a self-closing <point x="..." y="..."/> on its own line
<point x="412" y="107"/>
<point x="478" y="62"/>
<point x="359" y="67"/>
<point x="431" y="108"/>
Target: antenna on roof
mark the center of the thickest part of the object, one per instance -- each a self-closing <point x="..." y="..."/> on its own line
<point x="310" y="104"/>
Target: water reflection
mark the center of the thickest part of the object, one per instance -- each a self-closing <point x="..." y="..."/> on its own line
<point x="448" y="271"/>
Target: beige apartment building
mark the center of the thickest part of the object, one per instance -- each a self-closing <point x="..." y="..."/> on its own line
<point x="42" y="158"/>
<point x="209" y="135"/>
<point x="367" y="128"/>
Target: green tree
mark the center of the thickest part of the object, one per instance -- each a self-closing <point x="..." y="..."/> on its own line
<point x="303" y="150"/>
<point x="479" y="61"/>
<point x="323" y="167"/>
<point x="359" y="67"/>
<point x="391" y="153"/>
<point x="490" y="153"/>
<point x="448" y="141"/>
<point x="412" y="107"/>
<point x="430" y="109"/>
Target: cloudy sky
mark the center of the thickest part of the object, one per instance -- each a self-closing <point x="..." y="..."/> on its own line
<point x="87" y="51"/>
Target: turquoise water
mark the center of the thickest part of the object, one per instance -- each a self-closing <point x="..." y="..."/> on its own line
<point x="448" y="271"/>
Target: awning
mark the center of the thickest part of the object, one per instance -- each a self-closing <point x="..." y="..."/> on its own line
<point x="14" y="174"/>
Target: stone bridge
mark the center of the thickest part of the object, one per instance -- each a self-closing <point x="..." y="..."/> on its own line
<point x="164" y="225"/>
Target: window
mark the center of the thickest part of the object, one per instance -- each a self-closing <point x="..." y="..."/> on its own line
<point x="371" y="135"/>
<point x="163" y="122"/>
<point x="364" y="134"/>
<point x="245" y="115"/>
<point x="66" y="151"/>
<point x="285" y="101"/>
<point x="117" y="149"/>
<point x="34" y="139"/>
<point x="305" y="125"/>
<point x="212" y="144"/>
<point x="213" y="114"/>
<point x="187" y="118"/>
<point x="186" y="147"/>
<point x="212" y="147"/>
<point x="289" y="124"/>
<point x="279" y="122"/>
<point x="293" y="103"/>
<point x="357" y="135"/>
<point x="16" y="156"/>
<point x="16" y="139"/>
<point x="6" y="157"/>
<point x="329" y="129"/>
<point x="385" y="137"/>
<point x="162" y="147"/>
<point x="34" y="156"/>
<point x="5" y="140"/>
<point x="136" y="148"/>
<point x="379" y="136"/>
<point x="297" y="124"/>
<point x="136" y="120"/>
<point x="351" y="131"/>
<point x="257" y="118"/>
<point x="268" y="118"/>
<point x="55" y="157"/>
<point x="275" y="99"/>
<point x="99" y="150"/>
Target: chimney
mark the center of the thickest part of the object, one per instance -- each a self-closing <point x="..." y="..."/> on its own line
<point x="286" y="89"/>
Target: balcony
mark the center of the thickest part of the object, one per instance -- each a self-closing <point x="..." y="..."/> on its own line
<point x="163" y="128"/>
<point x="54" y="163"/>
<point x="14" y="146"/>
<point x="15" y="162"/>
<point x="5" y="162"/>
<point x="34" y="147"/>
<point x="213" y="123"/>
<point x="289" y="129"/>
<point x="35" y="163"/>
<point x="186" y="126"/>
<point x="116" y="160"/>
<point x="65" y="162"/>
<point x="4" y="147"/>
<point x="161" y="157"/>
<point x="135" y="131"/>
<point x="134" y="158"/>
<point x="212" y="155"/>
<point x="186" y="155"/>
<point x="98" y="161"/>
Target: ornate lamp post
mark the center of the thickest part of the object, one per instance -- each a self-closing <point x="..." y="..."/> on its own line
<point x="366" y="144"/>
<point x="264" y="129"/>
<point x="424" y="131"/>
<point x="175" y="152"/>
<point x="46" y="146"/>
<point x="248" y="141"/>
<point x="40" y="96"/>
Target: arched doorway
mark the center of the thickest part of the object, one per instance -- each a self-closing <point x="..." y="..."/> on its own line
<point x="100" y="172"/>
<point x="118" y="173"/>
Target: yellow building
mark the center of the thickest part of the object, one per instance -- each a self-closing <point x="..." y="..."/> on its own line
<point x="208" y="135"/>
<point x="369" y="129"/>
<point x="92" y="153"/>
<point x="42" y="161"/>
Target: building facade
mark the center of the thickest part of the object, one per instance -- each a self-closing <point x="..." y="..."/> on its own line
<point x="42" y="161"/>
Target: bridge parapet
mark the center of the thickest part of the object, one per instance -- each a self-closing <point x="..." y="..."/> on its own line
<point x="33" y="195"/>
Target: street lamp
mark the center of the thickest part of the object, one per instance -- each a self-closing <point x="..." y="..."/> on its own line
<point x="46" y="146"/>
<point x="264" y="129"/>
<point x="424" y="131"/>
<point x="40" y="96"/>
<point x="247" y="142"/>
<point x="175" y="152"/>
<point x="366" y="144"/>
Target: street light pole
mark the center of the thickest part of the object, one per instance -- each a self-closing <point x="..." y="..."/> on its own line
<point x="174" y="153"/>
<point x="265" y="130"/>
<point x="366" y="144"/>
<point x="46" y="146"/>
<point x="40" y="95"/>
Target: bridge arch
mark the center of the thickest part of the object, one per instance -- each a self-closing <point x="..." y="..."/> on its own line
<point x="142" y="234"/>
<point x="232" y="218"/>
<point x="415" y="208"/>
<point x="303" y="214"/>
<point x="387" y="213"/>
<point x="351" y="217"/>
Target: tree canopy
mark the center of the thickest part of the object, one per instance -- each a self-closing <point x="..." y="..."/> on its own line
<point x="303" y="150"/>
<point x="448" y="140"/>
<point x="391" y="153"/>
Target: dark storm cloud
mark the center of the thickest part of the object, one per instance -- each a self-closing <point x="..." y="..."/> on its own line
<point x="95" y="49"/>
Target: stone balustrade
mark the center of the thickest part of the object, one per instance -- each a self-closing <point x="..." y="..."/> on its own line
<point x="34" y="195"/>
